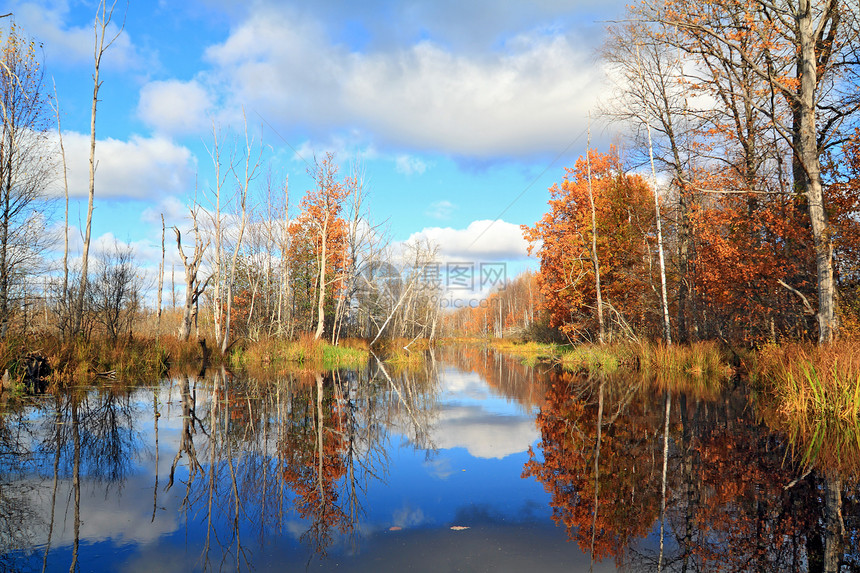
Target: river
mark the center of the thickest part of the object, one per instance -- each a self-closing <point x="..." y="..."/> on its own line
<point x="468" y="461"/>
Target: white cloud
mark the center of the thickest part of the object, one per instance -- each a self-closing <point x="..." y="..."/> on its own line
<point x="527" y="96"/>
<point x="173" y="210"/>
<point x="483" y="434"/>
<point x="441" y="209"/>
<point x="140" y="168"/>
<point x="46" y="22"/>
<point x="175" y="107"/>
<point x="481" y="241"/>
<point x="409" y="165"/>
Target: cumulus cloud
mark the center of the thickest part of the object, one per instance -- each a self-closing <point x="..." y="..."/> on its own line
<point x="175" y="107"/>
<point x="73" y="45"/>
<point x="481" y="241"/>
<point x="139" y="168"/>
<point x="524" y="96"/>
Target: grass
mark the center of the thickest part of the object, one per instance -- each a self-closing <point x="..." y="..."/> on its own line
<point x="280" y="355"/>
<point x="812" y="394"/>
<point x="811" y="382"/>
<point x="594" y="359"/>
<point x="701" y="366"/>
<point x="531" y="352"/>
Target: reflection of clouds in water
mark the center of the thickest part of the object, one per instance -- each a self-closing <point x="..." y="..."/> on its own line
<point x="105" y="515"/>
<point x="439" y="467"/>
<point x="408" y="517"/>
<point x="464" y="384"/>
<point x="166" y="559"/>
<point x="483" y="434"/>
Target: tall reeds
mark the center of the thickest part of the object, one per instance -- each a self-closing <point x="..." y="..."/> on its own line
<point x="280" y="354"/>
<point x="812" y="394"/>
<point x="813" y="382"/>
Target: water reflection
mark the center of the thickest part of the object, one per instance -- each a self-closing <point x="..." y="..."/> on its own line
<point x="368" y="469"/>
<point x="732" y="494"/>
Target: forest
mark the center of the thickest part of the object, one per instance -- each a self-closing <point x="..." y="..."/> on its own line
<point x="730" y="211"/>
<point x="727" y="211"/>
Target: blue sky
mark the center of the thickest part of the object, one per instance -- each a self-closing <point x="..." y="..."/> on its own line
<point x="462" y="112"/>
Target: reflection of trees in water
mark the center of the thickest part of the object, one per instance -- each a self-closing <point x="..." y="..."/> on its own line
<point x="733" y="500"/>
<point x="61" y="439"/>
<point x="251" y="450"/>
<point x="505" y="374"/>
<point x="16" y="506"/>
<point x="628" y="505"/>
<point x="253" y="457"/>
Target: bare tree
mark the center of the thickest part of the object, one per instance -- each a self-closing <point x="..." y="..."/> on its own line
<point x="193" y="287"/>
<point x="64" y="302"/>
<point x="100" y="26"/>
<point x="115" y="290"/>
<point x="25" y="165"/>
<point x="160" y="281"/>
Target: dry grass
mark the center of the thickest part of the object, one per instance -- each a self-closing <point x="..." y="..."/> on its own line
<point x="281" y="355"/>
<point x="700" y="367"/>
<point x="813" y="382"/>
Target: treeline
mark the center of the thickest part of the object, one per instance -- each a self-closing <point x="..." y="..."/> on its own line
<point x="742" y="119"/>
<point x="252" y="265"/>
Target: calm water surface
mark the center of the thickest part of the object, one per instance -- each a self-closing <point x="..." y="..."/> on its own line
<point x="471" y="462"/>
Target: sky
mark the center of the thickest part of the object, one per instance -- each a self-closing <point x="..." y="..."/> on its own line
<point x="462" y="113"/>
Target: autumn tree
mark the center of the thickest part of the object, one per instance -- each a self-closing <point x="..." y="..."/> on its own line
<point x="319" y="240"/>
<point x="650" y="97"/>
<point x="777" y="71"/>
<point x="624" y="208"/>
<point x="843" y="195"/>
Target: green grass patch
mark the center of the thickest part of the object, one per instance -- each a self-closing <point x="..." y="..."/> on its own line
<point x="279" y="354"/>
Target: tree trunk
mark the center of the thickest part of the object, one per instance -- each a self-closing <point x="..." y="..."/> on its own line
<point x="601" y="328"/>
<point x="322" y="265"/>
<point x="808" y="153"/>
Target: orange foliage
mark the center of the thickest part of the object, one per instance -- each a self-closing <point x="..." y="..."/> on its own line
<point x="314" y="461"/>
<point x="627" y="504"/>
<point x="624" y="207"/>
<point x="319" y="222"/>
<point x="844" y="201"/>
<point x="746" y="244"/>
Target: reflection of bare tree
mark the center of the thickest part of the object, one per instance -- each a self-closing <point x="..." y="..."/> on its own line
<point x="186" y="440"/>
<point x="106" y="425"/>
<point x="16" y="507"/>
<point x="76" y="484"/>
<point x="55" y="482"/>
<point x="252" y="455"/>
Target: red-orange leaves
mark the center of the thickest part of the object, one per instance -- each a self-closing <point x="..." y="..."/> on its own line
<point x="624" y="209"/>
